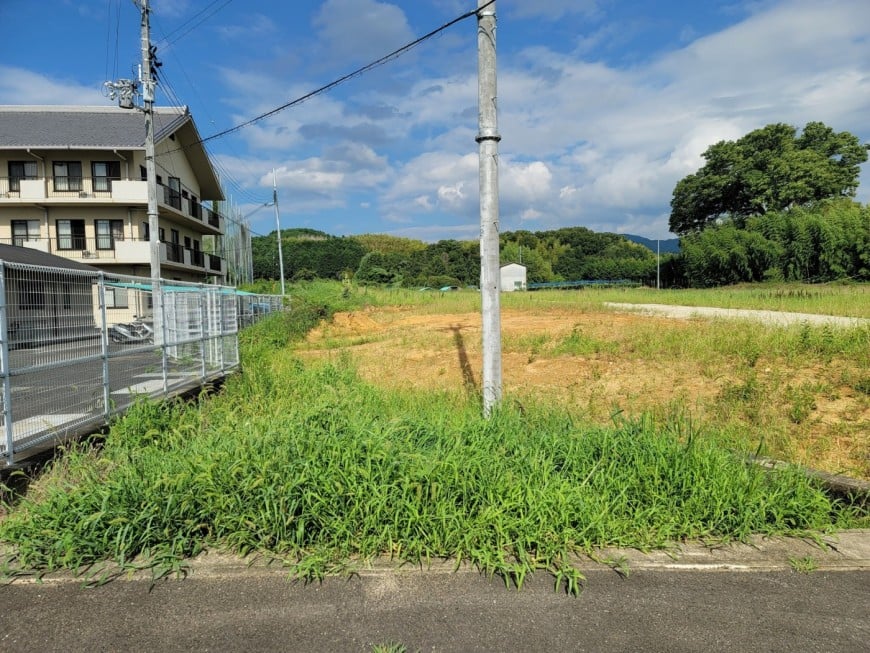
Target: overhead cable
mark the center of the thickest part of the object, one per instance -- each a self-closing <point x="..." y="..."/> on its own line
<point x="356" y="73"/>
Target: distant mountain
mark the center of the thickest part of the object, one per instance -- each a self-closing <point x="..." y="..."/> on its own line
<point x="669" y="246"/>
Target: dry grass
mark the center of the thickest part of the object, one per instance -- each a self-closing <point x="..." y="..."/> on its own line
<point x="748" y="384"/>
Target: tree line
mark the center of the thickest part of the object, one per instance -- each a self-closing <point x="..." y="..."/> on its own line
<point x="776" y="204"/>
<point x="568" y="254"/>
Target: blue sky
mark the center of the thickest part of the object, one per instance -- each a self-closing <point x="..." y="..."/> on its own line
<point x="603" y="105"/>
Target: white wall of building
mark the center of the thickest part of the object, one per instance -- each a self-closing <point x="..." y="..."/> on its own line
<point x="513" y="277"/>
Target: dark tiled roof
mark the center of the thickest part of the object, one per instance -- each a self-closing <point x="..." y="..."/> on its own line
<point x="50" y="127"/>
<point x="30" y="256"/>
<point x="105" y="128"/>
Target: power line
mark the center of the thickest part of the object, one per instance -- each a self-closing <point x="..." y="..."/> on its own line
<point x="174" y="99"/>
<point x="167" y="42"/>
<point x="356" y="73"/>
<point x="226" y="177"/>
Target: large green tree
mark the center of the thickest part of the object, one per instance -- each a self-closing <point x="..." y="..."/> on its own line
<point x="770" y="169"/>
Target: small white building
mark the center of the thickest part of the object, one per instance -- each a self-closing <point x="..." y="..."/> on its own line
<point x="513" y="277"/>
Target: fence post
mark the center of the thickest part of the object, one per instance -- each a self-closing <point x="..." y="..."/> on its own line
<point x="158" y="296"/>
<point x="203" y="322"/>
<point x="104" y="343"/>
<point x="5" y="368"/>
<point x="220" y="312"/>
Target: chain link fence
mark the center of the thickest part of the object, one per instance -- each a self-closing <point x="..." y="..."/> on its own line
<point x="77" y="347"/>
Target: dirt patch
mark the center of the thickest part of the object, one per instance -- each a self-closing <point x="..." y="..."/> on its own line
<point x="585" y="360"/>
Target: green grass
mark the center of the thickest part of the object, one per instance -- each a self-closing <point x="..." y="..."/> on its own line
<point x="309" y="464"/>
<point x="844" y="299"/>
<point x="805" y="565"/>
<point x="849" y="300"/>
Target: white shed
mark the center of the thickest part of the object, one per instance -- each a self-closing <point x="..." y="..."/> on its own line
<point x="513" y="277"/>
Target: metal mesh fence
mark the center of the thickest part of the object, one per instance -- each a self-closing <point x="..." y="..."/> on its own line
<point x="77" y="347"/>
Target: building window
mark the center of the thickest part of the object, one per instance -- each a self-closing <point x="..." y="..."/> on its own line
<point x="104" y="172"/>
<point x="19" y="170"/>
<point x="117" y="298"/>
<point x="71" y="234"/>
<point x="24" y="230"/>
<point x="67" y="176"/>
<point x="146" y="231"/>
<point x="108" y="233"/>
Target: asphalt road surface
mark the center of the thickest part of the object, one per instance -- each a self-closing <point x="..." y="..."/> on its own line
<point x="648" y="611"/>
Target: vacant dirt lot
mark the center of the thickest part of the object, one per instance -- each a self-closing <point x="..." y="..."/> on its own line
<point x="592" y="363"/>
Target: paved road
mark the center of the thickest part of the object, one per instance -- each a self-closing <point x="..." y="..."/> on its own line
<point x="648" y="611"/>
<point x="768" y="317"/>
<point x="739" y="598"/>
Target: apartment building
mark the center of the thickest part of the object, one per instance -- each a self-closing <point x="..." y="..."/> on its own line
<point x="73" y="184"/>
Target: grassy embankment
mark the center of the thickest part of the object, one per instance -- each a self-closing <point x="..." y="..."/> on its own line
<point x="309" y="464"/>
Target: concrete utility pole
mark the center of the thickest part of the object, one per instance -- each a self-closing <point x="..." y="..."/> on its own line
<point x="278" y="227"/>
<point x="148" y="89"/>
<point x="488" y="139"/>
<point x="150" y="165"/>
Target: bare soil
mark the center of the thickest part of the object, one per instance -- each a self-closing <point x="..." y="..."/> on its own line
<point x="402" y="349"/>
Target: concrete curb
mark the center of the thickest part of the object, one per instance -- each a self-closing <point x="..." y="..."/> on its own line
<point x="843" y="551"/>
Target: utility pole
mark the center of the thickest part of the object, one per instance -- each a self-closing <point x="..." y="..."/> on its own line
<point x="488" y="139"/>
<point x="658" y="264"/>
<point x="125" y="90"/>
<point x="150" y="164"/>
<point x="148" y="88"/>
<point x="278" y="227"/>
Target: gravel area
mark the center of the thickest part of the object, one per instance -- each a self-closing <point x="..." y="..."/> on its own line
<point x="768" y="317"/>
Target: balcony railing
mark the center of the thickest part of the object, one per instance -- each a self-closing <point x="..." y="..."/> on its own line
<point x="72" y="246"/>
<point x="171" y="197"/>
<point x="215" y="263"/>
<point x="174" y="252"/>
<point x="68" y="187"/>
<point x="214" y="219"/>
<point x="197" y="258"/>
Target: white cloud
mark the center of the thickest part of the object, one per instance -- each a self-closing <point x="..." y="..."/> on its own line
<point x="254" y="27"/>
<point x="530" y="182"/>
<point x="20" y="86"/>
<point x="548" y="9"/>
<point x="170" y="8"/>
<point x="584" y="142"/>
<point x="361" y="30"/>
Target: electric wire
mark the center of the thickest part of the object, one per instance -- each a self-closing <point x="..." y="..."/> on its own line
<point x="166" y="86"/>
<point x="230" y="181"/>
<point x="108" y="34"/>
<point x="166" y="39"/>
<point x="395" y="54"/>
<point x="109" y="56"/>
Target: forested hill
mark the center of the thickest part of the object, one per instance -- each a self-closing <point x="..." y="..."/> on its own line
<point x="669" y="246"/>
<point x="567" y="254"/>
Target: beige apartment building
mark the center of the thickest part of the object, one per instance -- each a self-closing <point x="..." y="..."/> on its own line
<point x="72" y="183"/>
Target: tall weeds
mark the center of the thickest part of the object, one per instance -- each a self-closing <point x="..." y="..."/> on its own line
<point x="311" y="465"/>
